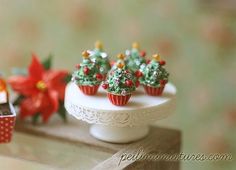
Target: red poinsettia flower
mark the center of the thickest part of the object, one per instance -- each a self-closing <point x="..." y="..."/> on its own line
<point x="42" y="89"/>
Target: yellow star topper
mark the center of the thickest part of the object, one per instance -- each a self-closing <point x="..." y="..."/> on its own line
<point x="99" y="45"/>
<point x="120" y="65"/>
<point x="135" y="45"/>
<point x="85" y="54"/>
<point x="121" y="56"/>
<point x="156" y="57"/>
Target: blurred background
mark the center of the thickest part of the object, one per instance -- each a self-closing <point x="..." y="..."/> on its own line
<point x="197" y="38"/>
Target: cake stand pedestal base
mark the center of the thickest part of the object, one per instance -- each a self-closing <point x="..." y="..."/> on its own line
<point x="118" y="134"/>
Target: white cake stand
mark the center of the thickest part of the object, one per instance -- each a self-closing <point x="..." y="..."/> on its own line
<point x="119" y="124"/>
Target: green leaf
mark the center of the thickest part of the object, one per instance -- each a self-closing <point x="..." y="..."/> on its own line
<point x="48" y="62"/>
<point x="62" y="111"/>
<point x="35" y="118"/>
<point x="18" y="100"/>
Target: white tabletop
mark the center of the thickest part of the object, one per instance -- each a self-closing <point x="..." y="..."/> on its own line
<point x="138" y="100"/>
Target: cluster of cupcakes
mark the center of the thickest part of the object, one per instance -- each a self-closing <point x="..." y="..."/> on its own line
<point x="121" y="78"/>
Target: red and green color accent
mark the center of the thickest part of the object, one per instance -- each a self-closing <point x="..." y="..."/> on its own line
<point x="154" y="76"/>
<point x="87" y="75"/>
<point x="41" y="91"/>
<point x="119" y="84"/>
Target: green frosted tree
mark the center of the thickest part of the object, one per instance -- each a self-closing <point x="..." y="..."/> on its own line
<point x="154" y="74"/>
<point x="120" y="81"/>
<point x="87" y="72"/>
<point x="99" y="57"/>
<point x="135" y="58"/>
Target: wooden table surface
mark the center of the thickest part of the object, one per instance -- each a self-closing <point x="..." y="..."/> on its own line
<point x="70" y="146"/>
<point x="32" y="152"/>
<point x="16" y="163"/>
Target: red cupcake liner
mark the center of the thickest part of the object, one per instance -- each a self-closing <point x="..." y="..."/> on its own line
<point x="118" y="100"/>
<point x="154" y="91"/>
<point x="89" y="90"/>
<point x="7" y="123"/>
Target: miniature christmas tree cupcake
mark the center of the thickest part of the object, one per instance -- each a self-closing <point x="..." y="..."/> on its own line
<point x="155" y="76"/>
<point x="135" y="58"/>
<point x="99" y="57"/>
<point x="119" y="85"/>
<point x="121" y="60"/>
<point x="87" y="76"/>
